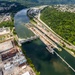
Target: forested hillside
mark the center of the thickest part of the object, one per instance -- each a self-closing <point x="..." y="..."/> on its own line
<point x="62" y="23"/>
<point x="27" y="3"/>
<point x="39" y="2"/>
<point x="10" y="7"/>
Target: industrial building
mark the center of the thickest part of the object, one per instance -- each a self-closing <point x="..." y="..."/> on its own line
<point x="11" y="58"/>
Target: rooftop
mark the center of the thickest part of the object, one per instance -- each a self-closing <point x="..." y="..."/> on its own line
<point x="6" y="45"/>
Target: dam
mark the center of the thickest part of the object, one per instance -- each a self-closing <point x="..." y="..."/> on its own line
<point x="44" y="62"/>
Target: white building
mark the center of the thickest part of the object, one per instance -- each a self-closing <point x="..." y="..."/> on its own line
<point x="26" y="73"/>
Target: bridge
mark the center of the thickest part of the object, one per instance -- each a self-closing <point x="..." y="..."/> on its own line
<point x="20" y="41"/>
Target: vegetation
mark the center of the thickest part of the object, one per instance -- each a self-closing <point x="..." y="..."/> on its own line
<point x="7" y="24"/>
<point x="10" y="7"/>
<point x="22" y="3"/>
<point x="39" y="2"/>
<point x="62" y="23"/>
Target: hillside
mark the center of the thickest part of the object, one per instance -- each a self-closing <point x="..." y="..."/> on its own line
<point x="10" y="7"/>
<point x="24" y="2"/>
<point x="38" y="2"/>
<point x="63" y="23"/>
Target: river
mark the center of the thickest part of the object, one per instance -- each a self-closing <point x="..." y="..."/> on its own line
<point x="43" y="61"/>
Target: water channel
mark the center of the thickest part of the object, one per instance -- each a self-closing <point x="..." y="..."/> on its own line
<point x="43" y="61"/>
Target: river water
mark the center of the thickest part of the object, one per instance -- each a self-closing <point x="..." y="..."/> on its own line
<point x="20" y="20"/>
<point x="44" y="62"/>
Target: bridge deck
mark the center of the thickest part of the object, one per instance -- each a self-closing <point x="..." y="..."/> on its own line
<point x="28" y="39"/>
